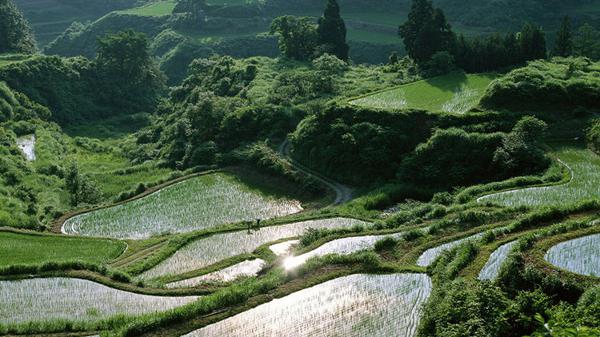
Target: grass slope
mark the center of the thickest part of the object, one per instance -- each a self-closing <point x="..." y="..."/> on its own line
<point x="456" y="92"/>
<point x="18" y="248"/>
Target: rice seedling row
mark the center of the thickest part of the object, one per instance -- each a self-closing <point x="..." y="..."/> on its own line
<point x="243" y="269"/>
<point x="353" y="306"/>
<point x="45" y="299"/>
<point x="194" y="204"/>
<point x="343" y="246"/>
<point x="431" y="254"/>
<point x="492" y="268"/>
<point x="205" y="252"/>
<point x="581" y="256"/>
<point x="27" y="145"/>
<point x="584" y="184"/>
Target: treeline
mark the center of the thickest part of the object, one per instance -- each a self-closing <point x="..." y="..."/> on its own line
<point x="430" y="41"/>
<point x="122" y="79"/>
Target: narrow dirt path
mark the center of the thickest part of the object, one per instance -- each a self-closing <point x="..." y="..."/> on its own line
<point x="343" y="193"/>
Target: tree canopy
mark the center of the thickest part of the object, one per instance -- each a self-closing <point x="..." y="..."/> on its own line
<point x="15" y="34"/>
<point x="426" y="31"/>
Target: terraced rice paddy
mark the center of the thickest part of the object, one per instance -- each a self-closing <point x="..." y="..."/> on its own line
<point x="456" y="93"/>
<point x="343" y="246"/>
<point x="581" y="256"/>
<point x="205" y="252"/>
<point x="584" y="185"/>
<point x="492" y="268"/>
<point x="70" y="299"/>
<point x="27" y="145"/>
<point x="17" y="248"/>
<point x="197" y="203"/>
<point x="242" y="269"/>
<point x="355" y="305"/>
<point x="283" y="248"/>
<point x="431" y="254"/>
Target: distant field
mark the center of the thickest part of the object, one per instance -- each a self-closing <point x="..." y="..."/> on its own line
<point x="456" y="93"/>
<point x="159" y="8"/>
<point x="193" y="204"/>
<point x="36" y="249"/>
<point x="585" y="166"/>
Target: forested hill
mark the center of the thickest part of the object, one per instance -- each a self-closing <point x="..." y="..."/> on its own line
<point x="50" y="18"/>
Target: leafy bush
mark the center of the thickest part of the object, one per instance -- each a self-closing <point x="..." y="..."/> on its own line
<point x="593" y="136"/>
<point x="547" y="85"/>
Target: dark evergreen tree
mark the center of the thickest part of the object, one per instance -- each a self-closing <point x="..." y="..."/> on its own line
<point x="332" y="32"/>
<point x="15" y="33"/>
<point x="426" y="32"/>
<point x="532" y="42"/>
<point x="564" y="39"/>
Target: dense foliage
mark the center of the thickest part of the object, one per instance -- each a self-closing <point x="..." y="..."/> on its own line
<point x="15" y="34"/>
<point x="453" y="157"/>
<point x="122" y="80"/>
<point x="568" y="83"/>
<point x="363" y="146"/>
<point x="426" y="32"/>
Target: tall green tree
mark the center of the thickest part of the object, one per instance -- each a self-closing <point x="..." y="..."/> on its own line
<point x="564" y="39"/>
<point x="587" y="42"/>
<point x="532" y="42"/>
<point x="332" y="32"/>
<point x="426" y="31"/>
<point x="298" y="36"/>
<point x="15" y="34"/>
<point x="130" y="79"/>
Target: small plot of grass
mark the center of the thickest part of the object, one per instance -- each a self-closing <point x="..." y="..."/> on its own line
<point x="194" y="204"/>
<point x="456" y="93"/>
<point x="159" y="8"/>
<point x="585" y="184"/>
<point x="355" y="305"/>
<point x="16" y="248"/>
<point x="74" y="300"/>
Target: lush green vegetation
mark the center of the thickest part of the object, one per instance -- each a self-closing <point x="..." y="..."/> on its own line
<point x="560" y="84"/>
<point x="15" y="33"/>
<point x="451" y="172"/>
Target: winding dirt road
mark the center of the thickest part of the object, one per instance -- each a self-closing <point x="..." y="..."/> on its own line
<point x="343" y="193"/>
